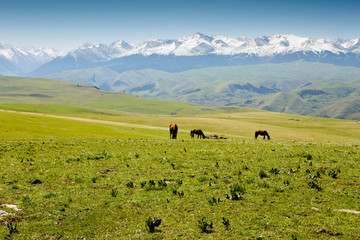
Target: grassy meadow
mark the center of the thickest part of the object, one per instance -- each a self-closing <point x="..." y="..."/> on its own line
<point x="110" y="172"/>
<point x="107" y="188"/>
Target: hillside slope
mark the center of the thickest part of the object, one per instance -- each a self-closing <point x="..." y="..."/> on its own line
<point x="44" y="92"/>
<point x="297" y="88"/>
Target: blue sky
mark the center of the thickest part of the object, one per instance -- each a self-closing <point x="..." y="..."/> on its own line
<point x="66" y="24"/>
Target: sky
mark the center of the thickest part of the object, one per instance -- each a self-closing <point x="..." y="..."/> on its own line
<point x="67" y="24"/>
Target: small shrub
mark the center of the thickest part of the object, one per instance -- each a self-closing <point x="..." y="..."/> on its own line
<point x="151" y="185"/>
<point x="151" y="223"/>
<point x="12" y="228"/>
<point x="181" y="194"/>
<point x="205" y="227"/>
<point x="179" y="182"/>
<point x="162" y="183"/>
<point x="275" y="171"/>
<point x="262" y="174"/>
<point x="226" y="223"/>
<point x="114" y="192"/>
<point x="94" y="179"/>
<point x="130" y="185"/>
<point x="151" y="182"/>
<point x="214" y="201"/>
<point x="236" y="192"/>
<point x="334" y="173"/>
<point x="312" y="174"/>
<point x="314" y="185"/>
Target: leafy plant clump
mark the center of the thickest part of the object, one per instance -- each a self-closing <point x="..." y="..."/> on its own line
<point x="262" y="174"/>
<point x="152" y="223"/>
<point x="12" y="229"/>
<point x="226" y="223"/>
<point x="314" y="185"/>
<point x="205" y="226"/>
<point x="214" y="201"/>
<point x="236" y="192"/>
<point x="130" y="185"/>
<point x="114" y="192"/>
<point x="275" y="171"/>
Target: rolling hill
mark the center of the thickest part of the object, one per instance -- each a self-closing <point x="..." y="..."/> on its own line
<point x="297" y="88"/>
<point x="38" y="107"/>
<point x="43" y="92"/>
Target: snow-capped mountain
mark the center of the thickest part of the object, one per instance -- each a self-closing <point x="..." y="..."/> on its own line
<point x="16" y="60"/>
<point x="196" y="51"/>
<point x="200" y="44"/>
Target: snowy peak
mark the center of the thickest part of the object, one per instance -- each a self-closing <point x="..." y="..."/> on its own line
<point x="16" y="60"/>
<point x="101" y="52"/>
<point x="12" y="52"/>
<point x="21" y="60"/>
<point x="201" y="44"/>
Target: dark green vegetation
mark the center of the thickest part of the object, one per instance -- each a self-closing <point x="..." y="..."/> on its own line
<point x="314" y="89"/>
<point x="121" y="188"/>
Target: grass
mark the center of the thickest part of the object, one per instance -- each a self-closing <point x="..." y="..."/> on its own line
<point x="91" y="122"/>
<point x="85" y="190"/>
<point x="46" y="95"/>
<point x="112" y="173"/>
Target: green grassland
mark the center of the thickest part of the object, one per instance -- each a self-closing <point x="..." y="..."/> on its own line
<point x="107" y="188"/>
<point x="107" y="165"/>
<point x="15" y="91"/>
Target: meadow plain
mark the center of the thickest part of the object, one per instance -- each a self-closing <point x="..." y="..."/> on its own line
<point x="92" y="171"/>
<point x="104" y="175"/>
<point x="107" y="188"/>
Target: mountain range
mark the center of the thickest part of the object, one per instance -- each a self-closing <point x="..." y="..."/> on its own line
<point x="191" y="52"/>
<point x="269" y="72"/>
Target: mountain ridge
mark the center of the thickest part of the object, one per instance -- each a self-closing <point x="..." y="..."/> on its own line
<point x="287" y="47"/>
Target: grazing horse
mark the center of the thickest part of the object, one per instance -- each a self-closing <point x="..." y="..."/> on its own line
<point x="173" y="131"/>
<point x="197" y="132"/>
<point x="262" y="133"/>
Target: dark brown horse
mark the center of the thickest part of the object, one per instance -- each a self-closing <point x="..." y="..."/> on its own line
<point x="173" y="131"/>
<point x="197" y="132"/>
<point x="262" y="133"/>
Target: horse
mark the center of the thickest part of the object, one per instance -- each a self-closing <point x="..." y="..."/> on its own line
<point x="173" y="131"/>
<point x="197" y="132"/>
<point x="262" y="133"/>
